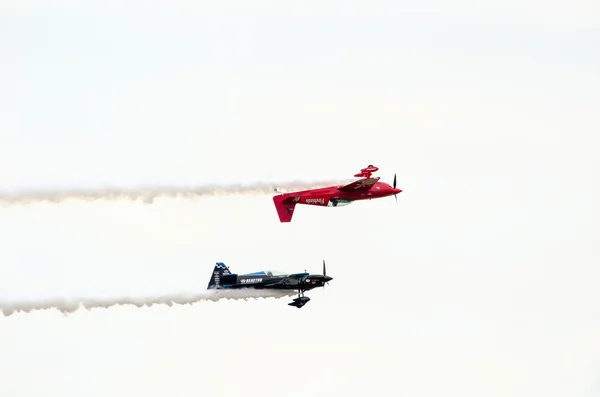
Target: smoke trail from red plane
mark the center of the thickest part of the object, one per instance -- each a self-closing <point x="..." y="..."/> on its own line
<point x="70" y="305"/>
<point x="149" y="193"/>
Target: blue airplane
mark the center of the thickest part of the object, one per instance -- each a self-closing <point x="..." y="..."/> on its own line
<point x="222" y="278"/>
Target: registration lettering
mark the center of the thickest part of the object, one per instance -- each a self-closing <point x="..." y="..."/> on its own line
<point x="315" y="201"/>
<point x="251" y="280"/>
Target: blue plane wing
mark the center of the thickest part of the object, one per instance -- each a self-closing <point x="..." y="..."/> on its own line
<point x="294" y="279"/>
<point x="291" y="279"/>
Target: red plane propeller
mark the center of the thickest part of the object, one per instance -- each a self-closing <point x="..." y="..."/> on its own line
<point x="394" y="186"/>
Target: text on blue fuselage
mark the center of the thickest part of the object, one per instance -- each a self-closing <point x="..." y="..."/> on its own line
<point x="251" y="280"/>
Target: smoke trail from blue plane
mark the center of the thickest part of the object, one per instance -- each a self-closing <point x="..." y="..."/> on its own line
<point x="147" y="193"/>
<point x="69" y="305"/>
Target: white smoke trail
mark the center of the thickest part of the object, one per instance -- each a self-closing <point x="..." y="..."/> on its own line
<point x="149" y="193"/>
<point x="70" y="305"/>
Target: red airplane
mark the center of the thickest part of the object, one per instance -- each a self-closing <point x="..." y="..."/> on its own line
<point x="333" y="196"/>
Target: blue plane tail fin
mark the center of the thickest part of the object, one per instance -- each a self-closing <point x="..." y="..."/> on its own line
<point x="219" y="271"/>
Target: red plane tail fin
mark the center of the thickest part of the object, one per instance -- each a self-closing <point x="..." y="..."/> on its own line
<point x="285" y="209"/>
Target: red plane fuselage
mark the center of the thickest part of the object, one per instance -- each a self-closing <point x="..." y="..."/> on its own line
<point x="333" y="196"/>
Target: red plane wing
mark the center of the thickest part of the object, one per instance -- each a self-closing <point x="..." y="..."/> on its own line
<point x="362" y="185"/>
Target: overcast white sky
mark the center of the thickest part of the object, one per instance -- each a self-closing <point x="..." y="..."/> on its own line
<point x="483" y="280"/>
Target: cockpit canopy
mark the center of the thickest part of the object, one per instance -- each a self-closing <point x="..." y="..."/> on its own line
<point x="269" y="273"/>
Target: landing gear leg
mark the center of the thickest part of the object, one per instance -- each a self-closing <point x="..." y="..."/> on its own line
<point x="300" y="301"/>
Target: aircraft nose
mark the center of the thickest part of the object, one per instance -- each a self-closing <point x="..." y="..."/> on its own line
<point x="396" y="191"/>
<point x="326" y="279"/>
